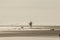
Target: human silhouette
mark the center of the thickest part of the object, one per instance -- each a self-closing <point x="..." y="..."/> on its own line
<point x="21" y="27"/>
<point x="30" y="24"/>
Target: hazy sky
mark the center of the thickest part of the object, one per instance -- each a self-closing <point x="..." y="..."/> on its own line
<point x="44" y="12"/>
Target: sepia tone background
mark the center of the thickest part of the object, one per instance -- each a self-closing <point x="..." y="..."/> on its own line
<point x="41" y="12"/>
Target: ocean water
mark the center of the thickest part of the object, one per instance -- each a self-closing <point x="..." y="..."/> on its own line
<point x="41" y="36"/>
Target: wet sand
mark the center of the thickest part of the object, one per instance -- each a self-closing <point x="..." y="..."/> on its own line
<point x="29" y="33"/>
